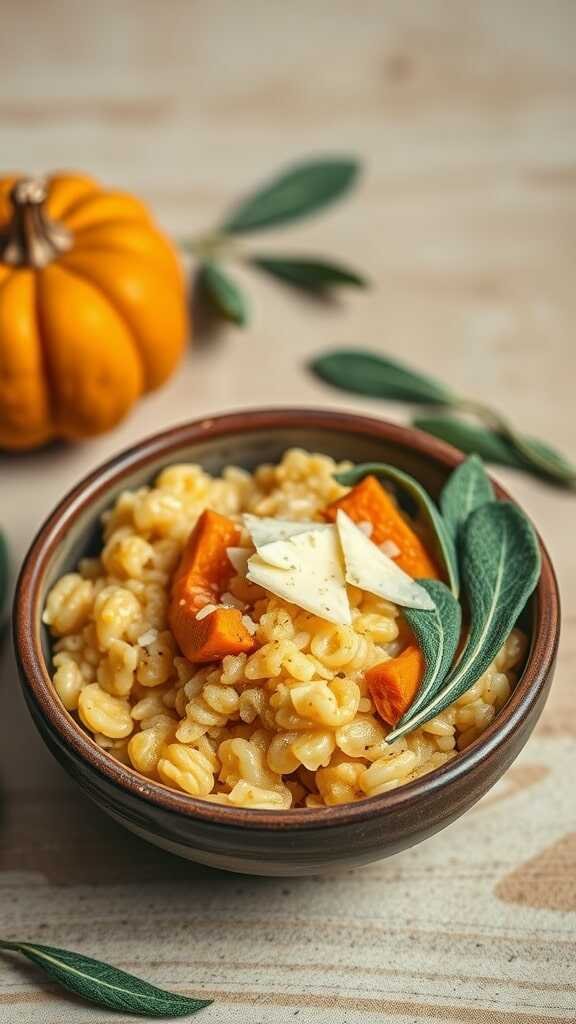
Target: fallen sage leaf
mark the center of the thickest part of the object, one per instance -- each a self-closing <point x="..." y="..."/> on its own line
<point x="104" y="985"/>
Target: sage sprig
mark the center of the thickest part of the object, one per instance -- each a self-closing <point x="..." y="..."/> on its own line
<point x="492" y="546"/>
<point x="500" y="569"/>
<point x="496" y="439"/>
<point x="494" y="447"/>
<point x="437" y="633"/>
<point x="294" y="194"/>
<point x="443" y="544"/>
<point x="104" y="985"/>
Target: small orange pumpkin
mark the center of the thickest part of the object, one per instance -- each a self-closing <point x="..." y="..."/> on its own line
<point x="92" y="308"/>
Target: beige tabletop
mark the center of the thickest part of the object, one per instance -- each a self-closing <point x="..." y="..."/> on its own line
<point x="464" y="114"/>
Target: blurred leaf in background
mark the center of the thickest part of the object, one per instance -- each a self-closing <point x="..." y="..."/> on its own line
<point x="308" y="274"/>
<point x="223" y="293"/>
<point x="296" y="193"/>
<point x="494" y="438"/>
<point x="365" y="373"/>
<point x="299" y="192"/>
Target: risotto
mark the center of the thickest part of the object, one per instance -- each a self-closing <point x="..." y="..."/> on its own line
<point x="279" y="712"/>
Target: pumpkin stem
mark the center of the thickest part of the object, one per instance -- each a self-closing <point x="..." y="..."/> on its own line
<point x="31" y="239"/>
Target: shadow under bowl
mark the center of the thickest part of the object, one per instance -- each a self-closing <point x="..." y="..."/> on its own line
<point x="297" y="841"/>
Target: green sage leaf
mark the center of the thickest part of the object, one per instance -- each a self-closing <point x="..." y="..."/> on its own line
<point x="223" y="293"/>
<point x="540" y="457"/>
<point x="468" y="487"/>
<point x="534" y="454"/>
<point x="295" y="193"/>
<point x="312" y="275"/>
<point x="104" y="985"/>
<point x="495" y="448"/>
<point x="443" y="544"/>
<point x="366" y="373"/>
<point x="470" y="439"/>
<point x="500" y="569"/>
<point x="437" y="633"/>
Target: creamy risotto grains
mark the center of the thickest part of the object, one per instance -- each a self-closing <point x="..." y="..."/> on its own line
<point x="289" y="724"/>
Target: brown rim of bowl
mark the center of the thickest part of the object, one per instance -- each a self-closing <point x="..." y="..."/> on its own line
<point x="27" y="625"/>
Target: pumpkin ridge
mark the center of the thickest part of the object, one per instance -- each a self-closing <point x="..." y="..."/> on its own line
<point x="117" y="250"/>
<point x="80" y="200"/>
<point x="141" y="216"/>
<point x="55" y="182"/>
<point x="113" y="220"/>
<point x="47" y="368"/>
<point x="132" y="239"/>
<point x="79" y="358"/>
<point x="121" y="315"/>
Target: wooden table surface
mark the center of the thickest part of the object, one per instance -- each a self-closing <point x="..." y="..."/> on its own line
<point x="464" y="114"/>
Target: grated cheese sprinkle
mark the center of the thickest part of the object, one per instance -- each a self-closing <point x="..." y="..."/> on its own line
<point x="388" y="547"/>
<point x="229" y="601"/>
<point x="206" y="611"/>
<point x="147" y="638"/>
<point x="249" y="624"/>
<point x="366" y="527"/>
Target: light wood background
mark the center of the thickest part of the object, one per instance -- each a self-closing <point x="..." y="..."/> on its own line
<point x="464" y="114"/>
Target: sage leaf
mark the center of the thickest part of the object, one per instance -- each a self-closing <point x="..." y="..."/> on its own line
<point x="471" y="439"/>
<point x="437" y="633"/>
<point x="500" y="569"/>
<point x="223" y="293"/>
<point x="313" y="275"/>
<point x="494" y="447"/>
<point x="366" y="373"/>
<point x="104" y="985"/>
<point x="467" y="489"/>
<point x="295" y="193"/>
<point x="534" y="454"/>
<point x="443" y="544"/>
<point x="540" y="457"/>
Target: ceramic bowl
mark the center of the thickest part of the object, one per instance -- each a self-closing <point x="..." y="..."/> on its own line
<point x="299" y="841"/>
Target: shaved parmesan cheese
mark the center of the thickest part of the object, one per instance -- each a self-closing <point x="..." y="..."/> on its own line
<point x="278" y="554"/>
<point x="312" y="576"/>
<point x="284" y="554"/>
<point x="368" y="568"/>
<point x="238" y="558"/>
<point x="265" y="529"/>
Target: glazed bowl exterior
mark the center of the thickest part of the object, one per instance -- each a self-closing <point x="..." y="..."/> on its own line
<point x="298" y="841"/>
